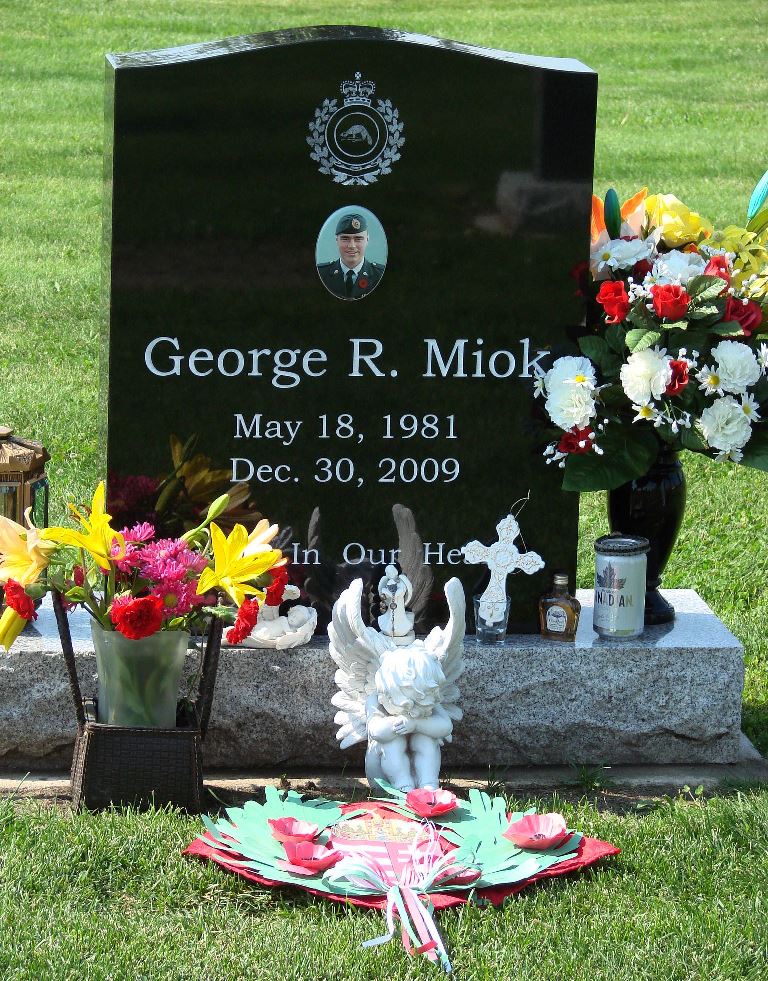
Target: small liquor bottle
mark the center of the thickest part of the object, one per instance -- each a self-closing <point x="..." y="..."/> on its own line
<point x="559" y="611"/>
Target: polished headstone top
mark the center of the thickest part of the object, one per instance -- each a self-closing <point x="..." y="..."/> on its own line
<point x="339" y="392"/>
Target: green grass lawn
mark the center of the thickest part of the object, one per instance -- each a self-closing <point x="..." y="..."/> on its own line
<point x="110" y="897"/>
<point x="682" y="104"/>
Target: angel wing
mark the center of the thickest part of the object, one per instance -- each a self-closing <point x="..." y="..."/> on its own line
<point x="447" y="645"/>
<point x="357" y="650"/>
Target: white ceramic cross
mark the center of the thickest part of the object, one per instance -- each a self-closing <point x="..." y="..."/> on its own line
<point x="502" y="558"/>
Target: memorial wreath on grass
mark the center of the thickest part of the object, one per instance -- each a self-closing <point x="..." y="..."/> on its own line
<point x="408" y="854"/>
<point x="676" y="349"/>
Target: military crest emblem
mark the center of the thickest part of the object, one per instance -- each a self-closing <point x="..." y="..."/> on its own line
<point x="356" y="142"/>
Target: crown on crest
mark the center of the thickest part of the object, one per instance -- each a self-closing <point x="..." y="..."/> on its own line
<point x="357" y="93"/>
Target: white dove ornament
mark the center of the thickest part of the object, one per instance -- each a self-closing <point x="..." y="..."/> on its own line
<point x="403" y="700"/>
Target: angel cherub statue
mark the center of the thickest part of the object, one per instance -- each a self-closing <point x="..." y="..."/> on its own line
<point x="403" y="700"/>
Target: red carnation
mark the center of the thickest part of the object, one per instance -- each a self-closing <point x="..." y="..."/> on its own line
<point x="276" y="588"/>
<point x="245" y="622"/>
<point x="679" y="377"/>
<point x="718" y="266"/>
<point x="362" y="282"/>
<point x="576" y="441"/>
<point x="613" y="298"/>
<point x="748" y="315"/>
<point x="137" y="617"/>
<point x="670" y="301"/>
<point x="18" y="600"/>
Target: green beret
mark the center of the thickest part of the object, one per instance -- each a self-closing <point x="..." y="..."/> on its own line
<point x="350" y="224"/>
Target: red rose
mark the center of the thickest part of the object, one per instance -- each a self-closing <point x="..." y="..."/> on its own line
<point x="245" y="622"/>
<point x="276" y="588"/>
<point x="670" y="301"/>
<point x="679" y="377"/>
<point x="641" y="269"/>
<point x="748" y="315"/>
<point x="718" y="266"/>
<point x="576" y="441"/>
<point x="362" y="282"/>
<point x="613" y="298"/>
<point x="18" y="600"/>
<point x="137" y="617"/>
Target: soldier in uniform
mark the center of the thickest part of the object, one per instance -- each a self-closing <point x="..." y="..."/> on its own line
<point x="351" y="275"/>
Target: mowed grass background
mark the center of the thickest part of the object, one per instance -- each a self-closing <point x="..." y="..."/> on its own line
<point x="683" y="94"/>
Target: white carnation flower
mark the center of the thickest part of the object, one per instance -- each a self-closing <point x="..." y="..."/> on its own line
<point x="645" y="375"/>
<point x="570" y="384"/>
<point x="617" y="254"/>
<point x="737" y="366"/>
<point x="762" y="357"/>
<point x="725" y="425"/>
<point x="677" y="267"/>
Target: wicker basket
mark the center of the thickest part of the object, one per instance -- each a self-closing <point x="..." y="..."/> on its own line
<point x="140" y="767"/>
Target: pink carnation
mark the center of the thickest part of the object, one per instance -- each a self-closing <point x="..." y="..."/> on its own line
<point x="178" y="598"/>
<point x="170" y="558"/>
<point x="143" y="531"/>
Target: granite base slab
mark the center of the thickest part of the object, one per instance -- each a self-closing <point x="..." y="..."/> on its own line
<point x="672" y="696"/>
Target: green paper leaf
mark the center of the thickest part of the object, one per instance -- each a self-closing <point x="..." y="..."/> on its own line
<point x="626" y="454"/>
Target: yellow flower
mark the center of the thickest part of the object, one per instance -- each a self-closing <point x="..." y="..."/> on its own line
<point x="259" y="539"/>
<point x="751" y="253"/>
<point x="233" y="570"/>
<point x="11" y="625"/>
<point x="23" y="556"/>
<point x="97" y="537"/>
<point x="676" y="223"/>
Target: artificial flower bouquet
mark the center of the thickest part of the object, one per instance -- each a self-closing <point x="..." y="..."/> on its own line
<point x="675" y="345"/>
<point x="134" y="583"/>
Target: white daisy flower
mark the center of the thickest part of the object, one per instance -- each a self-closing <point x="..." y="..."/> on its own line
<point x="750" y="408"/>
<point x="710" y="381"/>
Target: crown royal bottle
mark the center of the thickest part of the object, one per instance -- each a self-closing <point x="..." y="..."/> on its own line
<point x="559" y="611"/>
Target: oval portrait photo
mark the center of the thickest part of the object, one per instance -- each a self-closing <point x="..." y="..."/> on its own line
<point x="351" y="252"/>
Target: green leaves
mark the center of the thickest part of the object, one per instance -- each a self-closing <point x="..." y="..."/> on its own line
<point x="627" y="453"/>
<point x="727" y="328"/>
<point x="592" y="347"/>
<point x="703" y="288"/>
<point x="756" y="450"/>
<point x="693" y="439"/>
<point x="640" y="339"/>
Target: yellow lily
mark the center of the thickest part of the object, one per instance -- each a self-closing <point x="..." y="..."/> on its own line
<point x="23" y="555"/>
<point x="233" y="570"/>
<point x="97" y="537"/>
<point x="260" y="538"/>
<point x="11" y="625"/>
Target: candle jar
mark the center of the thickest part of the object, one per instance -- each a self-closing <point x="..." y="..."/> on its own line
<point x="620" y="562"/>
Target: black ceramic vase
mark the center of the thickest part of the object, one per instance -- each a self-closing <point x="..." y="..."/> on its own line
<point x="653" y="506"/>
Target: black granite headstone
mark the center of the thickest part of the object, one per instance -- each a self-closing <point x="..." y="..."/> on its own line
<point x="455" y="181"/>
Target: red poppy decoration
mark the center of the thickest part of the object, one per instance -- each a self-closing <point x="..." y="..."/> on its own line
<point x="362" y="283"/>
